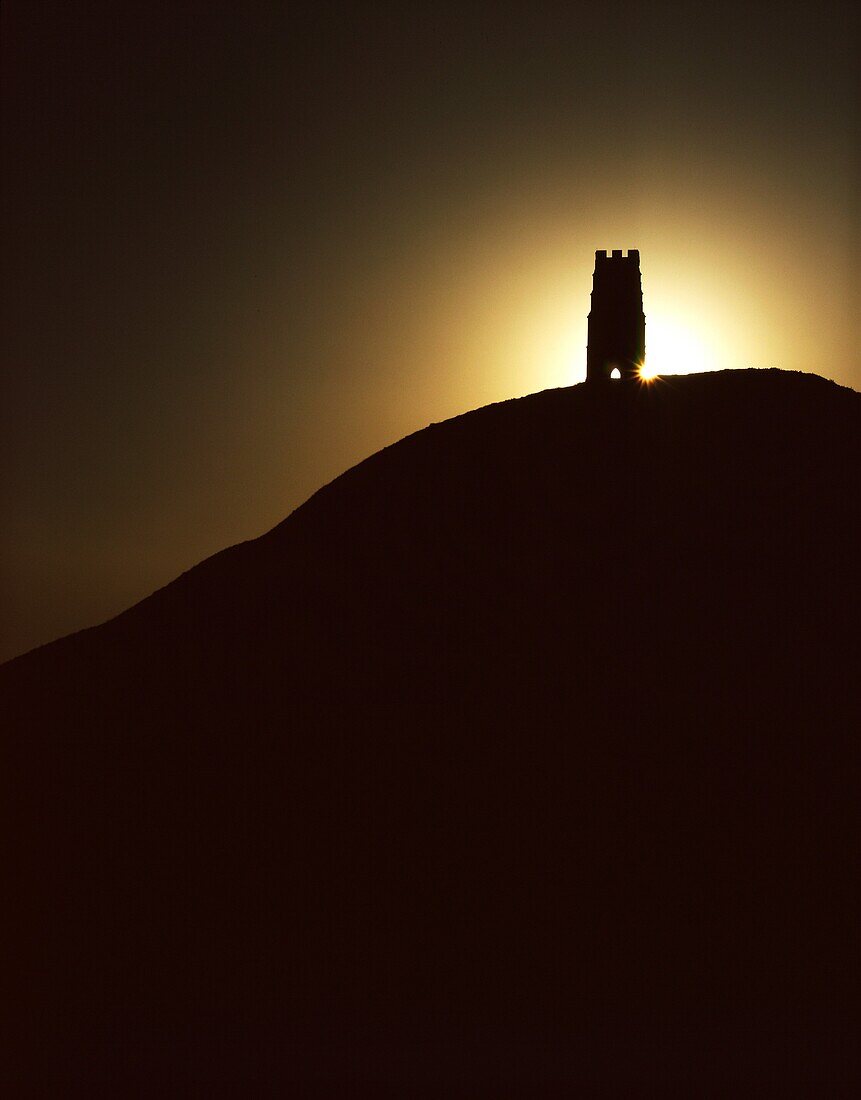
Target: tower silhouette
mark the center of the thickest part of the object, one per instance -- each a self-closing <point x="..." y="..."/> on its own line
<point x="617" y="324"/>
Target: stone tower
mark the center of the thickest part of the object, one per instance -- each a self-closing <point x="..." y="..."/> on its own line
<point x="617" y="324"/>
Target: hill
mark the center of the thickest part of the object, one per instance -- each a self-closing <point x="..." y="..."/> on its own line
<point x="523" y="756"/>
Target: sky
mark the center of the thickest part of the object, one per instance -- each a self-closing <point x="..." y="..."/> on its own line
<point x="248" y="245"/>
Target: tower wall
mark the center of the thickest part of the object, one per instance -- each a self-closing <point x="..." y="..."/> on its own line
<point x="617" y="324"/>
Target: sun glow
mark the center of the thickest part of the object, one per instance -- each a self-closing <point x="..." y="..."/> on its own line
<point x="674" y="348"/>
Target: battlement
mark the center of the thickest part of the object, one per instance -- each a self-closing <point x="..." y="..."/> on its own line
<point x="603" y="257"/>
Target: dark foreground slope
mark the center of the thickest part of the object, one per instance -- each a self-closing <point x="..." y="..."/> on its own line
<point x="521" y="757"/>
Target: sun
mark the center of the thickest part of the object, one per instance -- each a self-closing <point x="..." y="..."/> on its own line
<point x="674" y="348"/>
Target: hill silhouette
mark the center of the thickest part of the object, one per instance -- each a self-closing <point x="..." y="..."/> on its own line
<point x="522" y="756"/>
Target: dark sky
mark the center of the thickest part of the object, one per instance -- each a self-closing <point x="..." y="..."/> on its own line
<point x="248" y="245"/>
